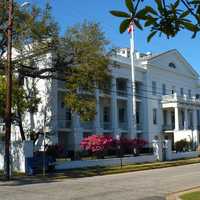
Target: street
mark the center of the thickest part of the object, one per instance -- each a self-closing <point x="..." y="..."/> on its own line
<point x="143" y="185"/>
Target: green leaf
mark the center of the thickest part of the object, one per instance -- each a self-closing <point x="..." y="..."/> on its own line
<point x="150" y="36"/>
<point x="184" y="14"/>
<point x="129" y="5"/>
<point x="141" y="14"/>
<point x="177" y="3"/>
<point x="137" y="23"/>
<point x="159" y="5"/>
<point x="117" y="13"/>
<point x="149" y="9"/>
<point x="150" y="21"/>
<point x="191" y="27"/>
<point x="124" y="25"/>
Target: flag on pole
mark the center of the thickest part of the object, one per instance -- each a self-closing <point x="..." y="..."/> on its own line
<point x="131" y="27"/>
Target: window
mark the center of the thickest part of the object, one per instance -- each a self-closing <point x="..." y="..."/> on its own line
<point x="106" y="114"/>
<point x="173" y="89"/>
<point x="165" y="117"/>
<point x="121" y="115"/>
<point x="172" y="65"/>
<point x="62" y="104"/>
<point x="68" y="114"/>
<point x="182" y="92"/>
<point x="163" y="89"/>
<point x="153" y="87"/>
<point x="197" y="96"/>
<point x="154" y="116"/>
<point x="189" y="93"/>
<point x="198" y="118"/>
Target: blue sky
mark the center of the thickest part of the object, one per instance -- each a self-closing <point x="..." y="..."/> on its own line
<point x="69" y="12"/>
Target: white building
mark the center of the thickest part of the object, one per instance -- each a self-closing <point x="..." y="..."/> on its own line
<point x="167" y="102"/>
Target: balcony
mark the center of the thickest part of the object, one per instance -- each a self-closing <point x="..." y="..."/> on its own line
<point x="122" y="93"/>
<point x="87" y="125"/>
<point x="174" y="98"/>
<point x="105" y="91"/>
<point x="106" y="125"/>
<point x="64" y="124"/>
<point x="168" y="127"/>
<point x="123" y="125"/>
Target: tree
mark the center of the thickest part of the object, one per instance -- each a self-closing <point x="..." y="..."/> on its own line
<point x="82" y="53"/>
<point x="34" y="33"/>
<point x="79" y="58"/>
<point x="162" y="17"/>
<point x="22" y="102"/>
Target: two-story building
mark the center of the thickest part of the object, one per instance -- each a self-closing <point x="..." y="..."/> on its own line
<point x="167" y="99"/>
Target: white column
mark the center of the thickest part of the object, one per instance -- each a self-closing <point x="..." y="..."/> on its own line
<point x="77" y="131"/>
<point x="169" y="121"/>
<point x="176" y="118"/>
<point x="97" y="118"/>
<point x="185" y="118"/>
<point x="132" y="128"/>
<point x="194" y="112"/>
<point x="114" y="107"/>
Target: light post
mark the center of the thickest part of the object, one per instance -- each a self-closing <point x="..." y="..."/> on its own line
<point x="8" y="70"/>
<point x="8" y="91"/>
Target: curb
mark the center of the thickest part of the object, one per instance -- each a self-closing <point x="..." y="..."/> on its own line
<point x="176" y="195"/>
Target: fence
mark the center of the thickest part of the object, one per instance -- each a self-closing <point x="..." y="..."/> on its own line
<point x="104" y="162"/>
<point x="162" y="151"/>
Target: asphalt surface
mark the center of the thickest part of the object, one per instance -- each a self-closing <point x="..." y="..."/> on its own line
<point x="143" y="185"/>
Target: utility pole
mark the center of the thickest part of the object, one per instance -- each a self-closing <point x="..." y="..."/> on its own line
<point x="8" y="91"/>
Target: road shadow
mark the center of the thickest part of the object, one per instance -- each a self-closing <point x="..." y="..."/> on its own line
<point x="28" y="180"/>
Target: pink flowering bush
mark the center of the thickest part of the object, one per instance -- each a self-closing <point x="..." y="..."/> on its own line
<point x="97" y="143"/>
<point x="130" y="145"/>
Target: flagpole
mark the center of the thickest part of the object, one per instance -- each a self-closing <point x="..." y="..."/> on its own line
<point x="132" y="52"/>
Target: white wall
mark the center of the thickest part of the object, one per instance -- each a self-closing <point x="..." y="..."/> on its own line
<point x="19" y="150"/>
<point x="104" y="162"/>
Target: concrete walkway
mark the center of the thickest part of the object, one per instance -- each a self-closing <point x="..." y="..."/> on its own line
<point x="143" y="185"/>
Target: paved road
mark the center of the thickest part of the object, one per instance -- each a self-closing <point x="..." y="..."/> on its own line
<point x="144" y="185"/>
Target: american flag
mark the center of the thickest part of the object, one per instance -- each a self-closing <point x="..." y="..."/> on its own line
<point x="131" y="27"/>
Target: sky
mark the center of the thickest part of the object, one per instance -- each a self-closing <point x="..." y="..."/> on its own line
<point x="70" y="12"/>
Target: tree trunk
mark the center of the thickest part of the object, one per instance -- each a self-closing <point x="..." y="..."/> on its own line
<point x="21" y="126"/>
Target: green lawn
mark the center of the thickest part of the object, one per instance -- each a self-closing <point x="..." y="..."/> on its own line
<point x="191" y="196"/>
<point x="98" y="171"/>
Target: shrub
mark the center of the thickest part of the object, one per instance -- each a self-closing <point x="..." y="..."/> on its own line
<point x="182" y="146"/>
<point x="130" y="145"/>
<point x="56" y="151"/>
<point x="97" y="144"/>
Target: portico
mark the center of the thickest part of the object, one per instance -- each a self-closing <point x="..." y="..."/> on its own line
<point x="181" y="116"/>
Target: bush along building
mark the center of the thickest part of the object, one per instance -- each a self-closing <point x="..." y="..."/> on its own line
<point x="166" y="95"/>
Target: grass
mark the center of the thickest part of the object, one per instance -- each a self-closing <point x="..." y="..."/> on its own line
<point x="108" y="170"/>
<point x="98" y="171"/>
<point x="191" y="196"/>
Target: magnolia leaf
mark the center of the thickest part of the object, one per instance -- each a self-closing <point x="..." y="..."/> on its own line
<point x="117" y="13"/>
<point x="124" y="25"/>
<point x="191" y="27"/>
<point x="150" y="36"/>
<point x="129" y="5"/>
<point x="137" y="23"/>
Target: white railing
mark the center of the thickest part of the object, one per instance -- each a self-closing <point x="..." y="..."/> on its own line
<point x="123" y="125"/>
<point x="106" y="125"/>
<point x="87" y="125"/>
<point x="182" y="99"/>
